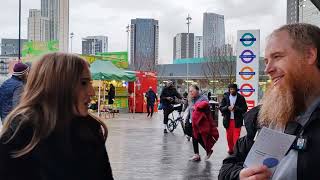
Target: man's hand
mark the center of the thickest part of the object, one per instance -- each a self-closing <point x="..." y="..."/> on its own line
<point x="230" y="108"/>
<point x="255" y="173"/>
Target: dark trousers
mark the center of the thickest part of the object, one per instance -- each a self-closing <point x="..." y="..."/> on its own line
<point x="150" y="106"/>
<point x="196" y="143"/>
<point x="166" y="112"/>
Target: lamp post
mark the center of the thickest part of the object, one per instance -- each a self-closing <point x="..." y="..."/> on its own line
<point x="302" y="5"/>
<point x="128" y="31"/>
<point x="71" y="37"/>
<point x="188" y="24"/>
<point x="19" y="55"/>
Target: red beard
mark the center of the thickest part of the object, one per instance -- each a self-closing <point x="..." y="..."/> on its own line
<point x="283" y="103"/>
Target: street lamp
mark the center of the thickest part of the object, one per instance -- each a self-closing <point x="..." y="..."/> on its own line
<point x="19" y="56"/>
<point x="71" y="37"/>
<point x="188" y="24"/>
<point x="302" y="5"/>
<point x="128" y="31"/>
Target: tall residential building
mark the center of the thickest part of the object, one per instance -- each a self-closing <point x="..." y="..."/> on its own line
<point x="57" y="11"/>
<point x="183" y="47"/>
<point x="292" y="11"/>
<point x="94" y="44"/>
<point x="144" y="44"/>
<point x="38" y="26"/>
<point x="198" y="47"/>
<point x="10" y="47"/>
<point x="213" y="33"/>
<point x="64" y="25"/>
<point x="309" y="13"/>
<point x="306" y="11"/>
<point x="50" y="9"/>
<point x="4" y="67"/>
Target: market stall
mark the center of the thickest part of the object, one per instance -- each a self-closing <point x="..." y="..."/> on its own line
<point x="105" y="73"/>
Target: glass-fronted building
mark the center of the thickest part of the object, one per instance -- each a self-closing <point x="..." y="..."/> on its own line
<point x="306" y="11"/>
<point x="144" y="44"/>
<point x="213" y="33"/>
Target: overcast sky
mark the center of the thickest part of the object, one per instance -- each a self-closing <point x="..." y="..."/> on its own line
<point x="110" y="17"/>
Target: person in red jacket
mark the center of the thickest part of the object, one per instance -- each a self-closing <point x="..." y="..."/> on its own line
<point x="204" y="131"/>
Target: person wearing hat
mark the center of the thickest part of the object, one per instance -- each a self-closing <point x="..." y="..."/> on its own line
<point x="11" y="89"/>
<point x="233" y="106"/>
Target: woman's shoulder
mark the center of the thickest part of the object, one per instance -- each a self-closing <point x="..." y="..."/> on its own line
<point x="16" y="134"/>
<point x="86" y="122"/>
<point x="87" y="126"/>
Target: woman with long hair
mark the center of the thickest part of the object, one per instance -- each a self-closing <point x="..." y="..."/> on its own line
<point x="50" y="135"/>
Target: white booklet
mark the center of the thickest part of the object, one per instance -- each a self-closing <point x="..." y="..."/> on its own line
<point x="269" y="148"/>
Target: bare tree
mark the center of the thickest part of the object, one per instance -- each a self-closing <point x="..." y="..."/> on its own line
<point x="143" y="63"/>
<point x="220" y="66"/>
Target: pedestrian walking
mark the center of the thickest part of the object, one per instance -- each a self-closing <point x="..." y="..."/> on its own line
<point x="151" y="99"/>
<point x="233" y="106"/>
<point x="11" y="89"/>
<point x="291" y="105"/>
<point x="167" y="98"/>
<point x="204" y="132"/>
<point x="50" y="134"/>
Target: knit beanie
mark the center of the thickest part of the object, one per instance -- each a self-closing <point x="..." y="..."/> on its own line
<point x="20" y="69"/>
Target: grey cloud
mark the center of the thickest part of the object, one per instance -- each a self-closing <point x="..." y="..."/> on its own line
<point x="109" y="17"/>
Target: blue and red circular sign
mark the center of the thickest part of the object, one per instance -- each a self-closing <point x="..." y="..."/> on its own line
<point x="247" y="73"/>
<point x="247" y="39"/>
<point x="246" y="90"/>
<point x="247" y="56"/>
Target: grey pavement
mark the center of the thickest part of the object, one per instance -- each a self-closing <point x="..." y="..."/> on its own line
<point x="139" y="150"/>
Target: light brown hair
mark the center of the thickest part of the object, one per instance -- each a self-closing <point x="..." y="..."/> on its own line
<point x="304" y="36"/>
<point x="48" y="99"/>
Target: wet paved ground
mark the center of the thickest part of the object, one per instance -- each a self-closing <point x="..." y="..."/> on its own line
<point x="139" y="150"/>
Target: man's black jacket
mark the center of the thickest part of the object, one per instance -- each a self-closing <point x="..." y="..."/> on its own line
<point x="240" y="107"/>
<point x="308" y="161"/>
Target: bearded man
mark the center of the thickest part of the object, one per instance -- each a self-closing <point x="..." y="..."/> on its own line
<point x="292" y="58"/>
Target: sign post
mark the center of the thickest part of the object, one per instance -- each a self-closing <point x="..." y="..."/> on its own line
<point x="248" y="53"/>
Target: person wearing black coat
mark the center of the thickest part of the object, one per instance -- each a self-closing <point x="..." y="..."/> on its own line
<point x="233" y="106"/>
<point x="307" y="160"/>
<point x="50" y="135"/>
<point x="80" y="155"/>
<point x="151" y="99"/>
<point x="291" y="105"/>
<point x="168" y="97"/>
<point x="111" y="94"/>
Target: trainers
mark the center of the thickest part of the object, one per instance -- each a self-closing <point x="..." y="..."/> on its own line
<point x="165" y="131"/>
<point x="209" y="154"/>
<point x="195" y="158"/>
